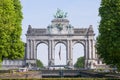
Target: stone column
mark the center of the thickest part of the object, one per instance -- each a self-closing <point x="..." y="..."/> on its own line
<point x="34" y="50"/>
<point x="71" y="52"/>
<point x="31" y="49"/>
<point x="52" y="52"/>
<point x="67" y="52"/>
<point x="94" y="50"/>
<point x="86" y="53"/>
<point x="49" y="53"/>
<point x="28" y="49"/>
<point x="89" y="49"/>
<point x="71" y="49"/>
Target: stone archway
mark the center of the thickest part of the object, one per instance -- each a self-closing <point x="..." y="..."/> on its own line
<point x="42" y="53"/>
<point x="61" y="31"/>
<point x="60" y="54"/>
<point x="78" y="51"/>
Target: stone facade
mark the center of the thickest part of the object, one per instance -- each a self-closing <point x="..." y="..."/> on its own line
<point x="60" y="31"/>
<point x="12" y="64"/>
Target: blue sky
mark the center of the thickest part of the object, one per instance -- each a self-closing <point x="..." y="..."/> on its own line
<point x="39" y="13"/>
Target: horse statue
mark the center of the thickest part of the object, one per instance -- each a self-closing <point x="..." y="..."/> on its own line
<point x="60" y="14"/>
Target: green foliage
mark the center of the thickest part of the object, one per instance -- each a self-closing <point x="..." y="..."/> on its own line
<point x="11" y="46"/>
<point x="80" y="62"/>
<point x="39" y="64"/>
<point x="108" y="41"/>
<point x="17" y="45"/>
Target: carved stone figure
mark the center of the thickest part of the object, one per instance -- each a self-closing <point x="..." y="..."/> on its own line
<point x="60" y="14"/>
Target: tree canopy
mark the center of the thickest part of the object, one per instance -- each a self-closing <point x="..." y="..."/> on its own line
<point x="11" y="46"/>
<point x="39" y="64"/>
<point x="108" y="41"/>
<point x="79" y="63"/>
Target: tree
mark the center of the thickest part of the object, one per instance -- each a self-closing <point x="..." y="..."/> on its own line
<point x="39" y="64"/>
<point x="17" y="45"/>
<point x="11" y="46"/>
<point x="6" y="20"/>
<point x="108" y="41"/>
<point x="80" y="62"/>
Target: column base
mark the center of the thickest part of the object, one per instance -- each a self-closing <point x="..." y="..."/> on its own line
<point x="90" y="64"/>
<point x="51" y="63"/>
<point x="69" y="63"/>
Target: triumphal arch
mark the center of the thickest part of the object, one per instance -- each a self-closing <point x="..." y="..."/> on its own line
<point x="61" y="31"/>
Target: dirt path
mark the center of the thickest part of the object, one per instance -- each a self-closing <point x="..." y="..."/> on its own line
<point x="21" y="75"/>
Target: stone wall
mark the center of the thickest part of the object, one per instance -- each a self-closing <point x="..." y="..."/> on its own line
<point x="12" y="64"/>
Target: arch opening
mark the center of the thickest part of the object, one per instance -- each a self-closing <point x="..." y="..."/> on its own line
<point x="78" y="51"/>
<point x="60" y="54"/>
<point x="42" y="53"/>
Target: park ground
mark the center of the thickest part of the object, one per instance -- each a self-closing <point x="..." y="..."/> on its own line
<point x="32" y="75"/>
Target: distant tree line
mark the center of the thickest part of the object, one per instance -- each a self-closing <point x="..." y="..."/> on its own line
<point x="39" y="64"/>
<point x="79" y="63"/>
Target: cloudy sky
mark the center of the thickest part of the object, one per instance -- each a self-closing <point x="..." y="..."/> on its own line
<point x="39" y="13"/>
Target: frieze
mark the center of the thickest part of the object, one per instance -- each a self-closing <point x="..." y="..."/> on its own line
<point x="80" y="31"/>
<point x="37" y="32"/>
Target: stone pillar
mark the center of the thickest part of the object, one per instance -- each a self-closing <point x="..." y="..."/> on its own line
<point x="71" y="52"/>
<point x="67" y="52"/>
<point x="34" y="50"/>
<point x="89" y="49"/>
<point x="71" y="49"/>
<point x="94" y="50"/>
<point x="69" y="55"/>
<point x="52" y="52"/>
<point x="49" y="52"/>
<point x="28" y="49"/>
<point x="86" y="51"/>
<point x="31" y="49"/>
<point x="91" y="60"/>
